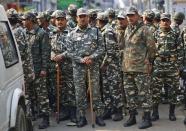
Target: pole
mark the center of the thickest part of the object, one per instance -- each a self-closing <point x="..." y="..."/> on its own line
<point x="91" y="100"/>
<point x="57" y="91"/>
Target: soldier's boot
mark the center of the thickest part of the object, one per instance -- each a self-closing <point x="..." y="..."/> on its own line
<point x="73" y="114"/>
<point x="45" y="122"/>
<point x="155" y="113"/>
<point x="172" y="116"/>
<point x="146" y="121"/>
<point x="64" y="114"/>
<point x="118" y="115"/>
<point x="184" y="121"/>
<point x="132" y="119"/>
<point x="185" y="102"/>
<point x="81" y="122"/>
<point x="33" y="113"/>
<point x="107" y="114"/>
<point x="100" y="121"/>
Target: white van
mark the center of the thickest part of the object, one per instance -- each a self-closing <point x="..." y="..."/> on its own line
<point x="12" y="89"/>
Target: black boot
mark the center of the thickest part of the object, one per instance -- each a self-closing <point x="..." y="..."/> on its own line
<point x="185" y="102"/>
<point x="155" y="113"/>
<point x="117" y="116"/>
<point x="73" y="114"/>
<point x="172" y="116"/>
<point x="64" y="114"/>
<point x="132" y="119"/>
<point x="146" y="122"/>
<point x="45" y="122"/>
<point x="99" y="121"/>
<point x="107" y="114"/>
<point x="185" y="121"/>
<point x="81" y="122"/>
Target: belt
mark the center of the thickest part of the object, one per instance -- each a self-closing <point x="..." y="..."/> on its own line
<point x="164" y="59"/>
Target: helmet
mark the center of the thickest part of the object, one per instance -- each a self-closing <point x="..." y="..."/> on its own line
<point x="72" y="9"/>
<point x="179" y="16"/>
<point x="92" y="13"/>
<point x="110" y="12"/>
<point x="149" y="14"/>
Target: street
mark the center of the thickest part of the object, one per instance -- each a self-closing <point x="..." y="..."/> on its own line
<point x="163" y="124"/>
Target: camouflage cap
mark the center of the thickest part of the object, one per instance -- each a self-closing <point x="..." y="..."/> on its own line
<point x="110" y="12"/>
<point x="12" y="13"/>
<point x="121" y="14"/>
<point x="72" y="9"/>
<point x="149" y="14"/>
<point x="60" y="14"/>
<point x="40" y="15"/>
<point x="131" y="10"/>
<point x="102" y="16"/>
<point x="92" y="12"/>
<point x="29" y="15"/>
<point x="165" y="16"/>
<point x="82" y="11"/>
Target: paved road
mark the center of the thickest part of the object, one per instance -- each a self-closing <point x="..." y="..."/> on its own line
<point x="162" y="125"/>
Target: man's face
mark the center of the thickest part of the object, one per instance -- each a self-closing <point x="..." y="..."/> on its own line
<point x="132" y="18"/>
<point x="165" y="23"/>
<point x="40" y="21"/>
<point x="82" y="21"/>
<point x="122" y="22"/>
<point x="53" y="21"/>
<point x="4" y="38"/>
<point x="26" y="23"/>
<point x="61" y="22"/>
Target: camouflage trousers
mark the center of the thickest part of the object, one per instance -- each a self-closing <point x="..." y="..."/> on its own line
<point x="80" y="78"/>
<point x="170" y="77"/>
<point x="39" y="94"/>
<point x="137" y="90"/>
<point x="112" y="86"/>
<point x="67" y="89"/>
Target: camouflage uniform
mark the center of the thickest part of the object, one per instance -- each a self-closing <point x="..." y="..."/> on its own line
<point x="58" y="44"/>
<point x="25" y="52"/>
<point x="83" y="43"/>
<point x="166" y="64"/>
<point x="39" y="44"/>
<point x="111" y="77"/>
<point x="138" y="48"/>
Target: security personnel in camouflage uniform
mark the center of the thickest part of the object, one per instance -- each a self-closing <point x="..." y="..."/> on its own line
<point x="39" y="44"/>
<point x="138" y="56"/>
<point x="72" y="9"/>
<point x="166" y="66"/>
<point x="111" y="16"/>
<point x="25" y="52"/>
<point x="85" y="48"/>
<point x="156" y="18"/>
<point x="120" y="32"/>
<point x="177" y="21"/>
<point x="59" y="55"/>
<point x="43" y="21"/>
<point x="148" y="17"/>
<point x="120" y="28"/>
<point x="92" y="17"/>
<point x="110" y="71"/>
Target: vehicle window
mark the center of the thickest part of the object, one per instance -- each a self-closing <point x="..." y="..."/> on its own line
<point x="7" y="45"/>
